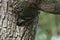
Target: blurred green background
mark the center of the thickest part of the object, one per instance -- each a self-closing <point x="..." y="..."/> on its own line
<point x="48" y="27"/>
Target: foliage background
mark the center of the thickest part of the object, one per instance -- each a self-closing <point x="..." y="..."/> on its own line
<point x="48" y="26"/>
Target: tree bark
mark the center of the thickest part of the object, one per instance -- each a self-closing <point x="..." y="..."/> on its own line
<point x="8" y="28"/>
<point x="52" y="6"/>
<point x="7" y="21"/>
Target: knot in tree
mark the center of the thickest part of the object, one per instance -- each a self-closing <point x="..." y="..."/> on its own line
<point x="26" y="12"/>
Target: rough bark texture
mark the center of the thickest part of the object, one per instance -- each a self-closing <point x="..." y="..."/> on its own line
<point x="52" y="6"/>
<point x="8" y="28"/>
<point x="7" y="21"/>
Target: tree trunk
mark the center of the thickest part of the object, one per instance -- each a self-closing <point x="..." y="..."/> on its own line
<point x="8" y="28"/>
